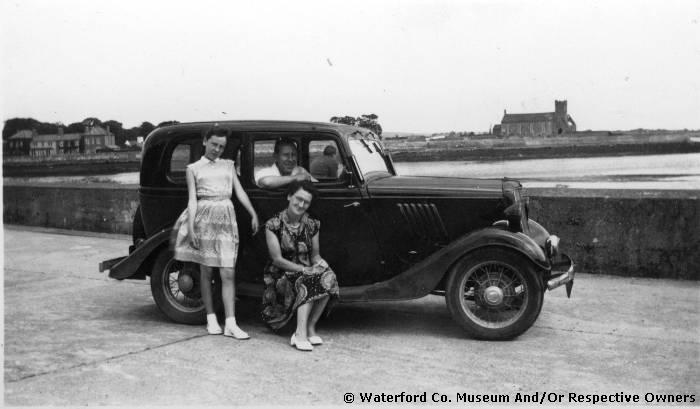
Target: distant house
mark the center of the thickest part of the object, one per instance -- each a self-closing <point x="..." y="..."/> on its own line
<point x="93" y="139"/>
<point x="134" y="144"/>
<point x="96" y="137"/>
<point x="19" y="144"/>
<point x="59" y="144"/>
<point x="546" y="124"/>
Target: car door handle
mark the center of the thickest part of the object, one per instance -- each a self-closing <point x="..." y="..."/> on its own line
<point x="353" y="204"/>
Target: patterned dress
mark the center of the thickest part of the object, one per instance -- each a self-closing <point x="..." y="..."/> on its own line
<point x="287" y="290"/>
<point x="215" y="220"/>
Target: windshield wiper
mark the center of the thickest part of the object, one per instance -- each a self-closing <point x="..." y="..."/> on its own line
<point x="366" y="145"/>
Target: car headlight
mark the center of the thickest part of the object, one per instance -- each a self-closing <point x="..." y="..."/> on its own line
<point x="551" y="246"/>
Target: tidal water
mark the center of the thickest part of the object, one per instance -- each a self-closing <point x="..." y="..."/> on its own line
<point x="675" y="171"/>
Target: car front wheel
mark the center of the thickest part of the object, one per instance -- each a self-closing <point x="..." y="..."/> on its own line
<point x="494" y="294"/>
<point x="176" y="291"/>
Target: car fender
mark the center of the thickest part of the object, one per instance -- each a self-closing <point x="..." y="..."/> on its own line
<point x="423" y="277"/>
<point x="131" y="265"/>
<point x="538" y="233"/>
<point x="520" y="242"/>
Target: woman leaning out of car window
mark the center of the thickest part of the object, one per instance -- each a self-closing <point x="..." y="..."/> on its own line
<point x="207" y="232"/>
<point x="296" y="278"/>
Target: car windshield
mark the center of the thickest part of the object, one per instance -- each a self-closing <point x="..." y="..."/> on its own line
<point x="369" y="155"/>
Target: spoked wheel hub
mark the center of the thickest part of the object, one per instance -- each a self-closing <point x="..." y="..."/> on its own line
<point x="185" y="281"/>
<point x="493" y="295"/>
<point x="181" y="286"/>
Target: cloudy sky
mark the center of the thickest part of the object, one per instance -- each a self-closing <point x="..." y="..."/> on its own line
<point x="422" y="66"/>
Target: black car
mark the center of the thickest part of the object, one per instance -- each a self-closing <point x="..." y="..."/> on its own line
<point x="387" y="237"/>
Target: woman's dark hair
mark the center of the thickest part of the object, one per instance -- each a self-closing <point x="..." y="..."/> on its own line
<point x="304" y="184"/>
<point x="215" y="130"/>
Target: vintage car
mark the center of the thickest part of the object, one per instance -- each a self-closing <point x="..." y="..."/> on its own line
<point x="388" y="237"/>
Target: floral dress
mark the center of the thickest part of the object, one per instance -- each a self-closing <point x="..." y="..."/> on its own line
<point x="215" y="219"/>
<point x="287" y="290"/>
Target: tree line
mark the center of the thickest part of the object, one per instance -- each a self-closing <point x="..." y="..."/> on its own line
<point x="368" y="121"/>
<point x="121" y="134"/>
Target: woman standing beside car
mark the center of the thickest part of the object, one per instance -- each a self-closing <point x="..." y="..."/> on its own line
<point x="207" y="232"/>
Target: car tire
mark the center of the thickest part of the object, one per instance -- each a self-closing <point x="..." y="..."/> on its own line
<point x="184" y="306"/>
<point x="494" y="293"/>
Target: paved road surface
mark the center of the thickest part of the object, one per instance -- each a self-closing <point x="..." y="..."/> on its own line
<point x="75" y="337"/>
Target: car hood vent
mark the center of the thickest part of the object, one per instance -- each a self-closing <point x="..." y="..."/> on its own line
<point x="424" y="221"/>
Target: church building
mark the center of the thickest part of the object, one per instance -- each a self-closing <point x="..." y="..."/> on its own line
<point x="546" y="124"/>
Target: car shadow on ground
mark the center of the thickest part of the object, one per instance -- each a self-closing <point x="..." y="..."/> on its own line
<point x="428" y="315"/>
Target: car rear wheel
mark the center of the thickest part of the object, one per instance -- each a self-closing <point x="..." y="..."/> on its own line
<point x="494" y="294"/>
<point x="176" y="291"/>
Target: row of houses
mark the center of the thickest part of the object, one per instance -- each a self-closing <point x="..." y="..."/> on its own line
<point x="28" y="143"/>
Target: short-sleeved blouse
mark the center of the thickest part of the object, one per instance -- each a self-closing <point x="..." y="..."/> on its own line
<point x="295" y="244"/>
<point x="213" y="178"/>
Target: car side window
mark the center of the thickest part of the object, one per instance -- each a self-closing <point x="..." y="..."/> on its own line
<point x="182" y="155"/>
<point x="232" y="151"/>
<point x="325" y="163"/>
<point x="190" y="150"/>
<point x="263" y="154"/>
<point x="318" y="154"/>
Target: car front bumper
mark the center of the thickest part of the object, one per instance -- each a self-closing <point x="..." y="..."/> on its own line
<point x="562" y="273"/>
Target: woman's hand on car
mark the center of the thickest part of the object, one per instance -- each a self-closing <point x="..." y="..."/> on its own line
<point x="254" y="223"/>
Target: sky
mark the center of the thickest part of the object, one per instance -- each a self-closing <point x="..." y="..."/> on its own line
<point x="421" y="66"/>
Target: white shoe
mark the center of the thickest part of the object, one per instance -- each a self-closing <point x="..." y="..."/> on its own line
<point x="235" y="332"/>
<point x="315" y="340"/>
<point x="300" y="345"/>
<point x="214" y="329"/>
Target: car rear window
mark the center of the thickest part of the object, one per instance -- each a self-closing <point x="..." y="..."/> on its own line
<point x="191" y="149"/>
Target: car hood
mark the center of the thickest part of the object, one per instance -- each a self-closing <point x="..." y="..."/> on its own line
<point x="431" y="186"/>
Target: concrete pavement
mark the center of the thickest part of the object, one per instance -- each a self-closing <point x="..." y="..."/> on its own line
<point x="75" y="337"/>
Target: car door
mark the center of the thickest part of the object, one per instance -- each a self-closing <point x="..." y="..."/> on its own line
<point x="347" y="237"/>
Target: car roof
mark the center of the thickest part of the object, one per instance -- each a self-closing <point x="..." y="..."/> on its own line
<point x="265" y="125"/>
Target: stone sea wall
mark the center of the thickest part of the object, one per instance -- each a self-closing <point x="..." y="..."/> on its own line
<point x="629" y="233"/>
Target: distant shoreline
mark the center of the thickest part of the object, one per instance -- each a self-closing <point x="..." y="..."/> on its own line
<point x="544" y="152"/>
<point x="112" y="163"/>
